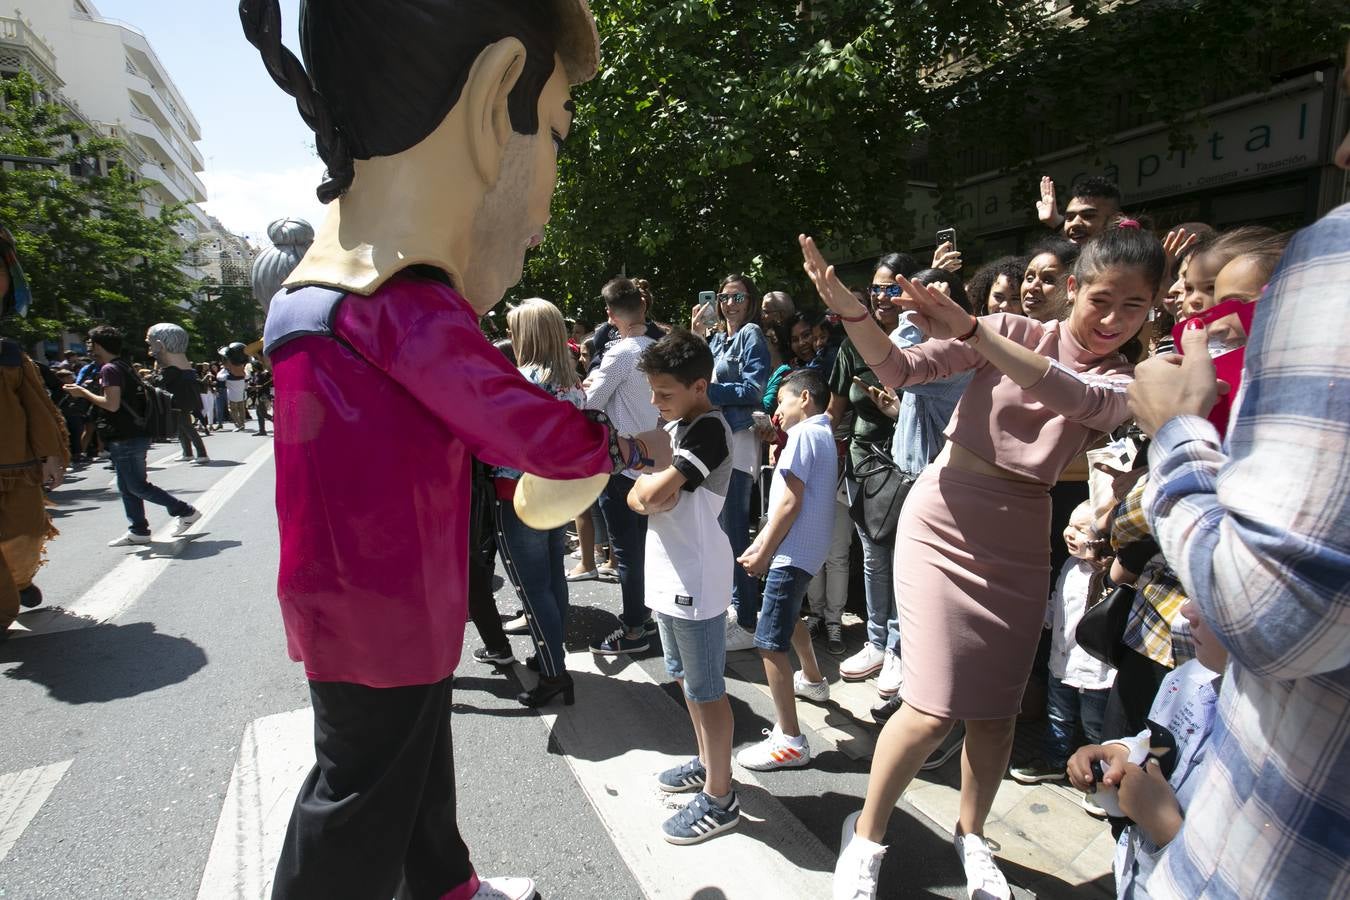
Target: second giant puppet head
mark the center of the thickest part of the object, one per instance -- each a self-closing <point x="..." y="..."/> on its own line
<point x="439" y="122"/>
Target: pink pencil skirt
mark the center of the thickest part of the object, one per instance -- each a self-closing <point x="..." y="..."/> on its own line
<point x="972" y="579"/>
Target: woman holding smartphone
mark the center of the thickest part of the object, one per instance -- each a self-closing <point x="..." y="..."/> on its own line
<point x="740" y="374"/>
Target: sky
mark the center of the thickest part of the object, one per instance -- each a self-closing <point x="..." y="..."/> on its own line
<point x="260" y="159"/>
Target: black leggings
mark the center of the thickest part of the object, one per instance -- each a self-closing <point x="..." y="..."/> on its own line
<point x="188" y="436"/>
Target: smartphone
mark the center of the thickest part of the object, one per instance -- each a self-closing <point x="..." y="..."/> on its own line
<point x="707" y="313"/>
<point x="946" y="236"/>
<point x="1228" y="353"/>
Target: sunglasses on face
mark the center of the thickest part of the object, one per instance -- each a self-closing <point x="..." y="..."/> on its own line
<point x="735" y="299"/>
<point x="890" y="291"/>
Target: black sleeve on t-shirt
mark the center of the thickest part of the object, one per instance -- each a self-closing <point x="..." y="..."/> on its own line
<point x="706" y="442"/>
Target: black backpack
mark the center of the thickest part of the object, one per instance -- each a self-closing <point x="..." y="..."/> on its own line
<point x="152" y="412"/>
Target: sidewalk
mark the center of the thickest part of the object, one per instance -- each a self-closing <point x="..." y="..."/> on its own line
<point x="1040" y="828"/>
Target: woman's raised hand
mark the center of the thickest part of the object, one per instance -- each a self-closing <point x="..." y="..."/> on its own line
<point x="1178" y="241"/>
<point x="831" y="290"/>
<point x="936" y="314"/>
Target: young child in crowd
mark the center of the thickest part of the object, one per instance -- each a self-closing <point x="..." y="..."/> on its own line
<point x="1079" y="683"/>
<point x="688" y="574"/>
<point x="1152" y="783"/>
<point x="790" y="549"/>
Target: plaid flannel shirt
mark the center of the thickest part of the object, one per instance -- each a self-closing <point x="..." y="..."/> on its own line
<point x="1155" y="627"/>
<point x="1259" y="531"/>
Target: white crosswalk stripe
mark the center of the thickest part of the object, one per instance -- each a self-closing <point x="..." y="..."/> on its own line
<point x="21" y="796"/>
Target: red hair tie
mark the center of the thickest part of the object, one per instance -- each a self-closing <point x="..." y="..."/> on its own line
<point x="1129" y="223"/>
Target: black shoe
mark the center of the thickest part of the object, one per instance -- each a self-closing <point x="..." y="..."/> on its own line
<point x="532" y="662"/>
<point x="1036" y="771"/>
<point x="494" y="657"/>
<point x="547" y="689"/>
<point x="30" y="597"/>
<point x="950" y="746"/>
<point x="649" y="627"/>
<point x="884" y="710"/>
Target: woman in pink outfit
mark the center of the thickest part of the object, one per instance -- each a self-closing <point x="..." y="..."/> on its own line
<point x="972" y="550"/>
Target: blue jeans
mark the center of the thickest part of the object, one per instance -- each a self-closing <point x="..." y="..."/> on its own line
<point x="1067" y="707"/>
<point x="628" y="545"/>
<point x="735" y="521"/>
<point x="784" y="590"/>
<point x="883" y="621"/>
<point x="696" y="655"/>
<point x="534" y="563"/>
<point x="128" y="459"/>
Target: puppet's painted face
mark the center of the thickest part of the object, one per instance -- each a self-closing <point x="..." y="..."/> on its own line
<point x="515" y="209"/>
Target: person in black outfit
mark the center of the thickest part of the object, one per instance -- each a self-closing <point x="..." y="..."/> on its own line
<point x="168" y="345"/>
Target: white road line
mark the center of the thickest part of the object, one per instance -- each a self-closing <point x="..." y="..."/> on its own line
<point x="770" y="846"/>
<point x="128" y="580"/>
<point x="274" y="756"/>
<point x="21" y="796"/>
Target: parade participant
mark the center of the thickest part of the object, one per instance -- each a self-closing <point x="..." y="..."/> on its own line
<point x="168" y="344"/>
<point x="34" y="451"/>
<point x="384" y="388"/>
<point x="122" y="415"/>
<point x="974" y="529"/>
<point x="233" y="381"/>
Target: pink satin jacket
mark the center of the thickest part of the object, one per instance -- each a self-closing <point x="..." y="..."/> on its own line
<point x="375" y="425"/>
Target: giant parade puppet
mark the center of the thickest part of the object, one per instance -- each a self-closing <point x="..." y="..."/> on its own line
<point x="439" y="122"/>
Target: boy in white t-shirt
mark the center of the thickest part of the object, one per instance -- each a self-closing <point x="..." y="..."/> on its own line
<point x="688" y="575"/>
<point x="790" y="549"/>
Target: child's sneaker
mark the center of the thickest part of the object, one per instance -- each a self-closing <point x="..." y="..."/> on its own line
<point x="984" y="880"/>
<point x="690" y="776"/>
<point x="815" y="691"/>
<point x="776" y="751"/>
<point x="859" y="864"/>
<point x="701" y="819"/>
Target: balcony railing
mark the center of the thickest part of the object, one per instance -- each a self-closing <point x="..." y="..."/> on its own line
<point x="16" y="31"/>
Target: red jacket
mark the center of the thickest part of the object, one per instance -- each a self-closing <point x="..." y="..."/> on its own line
<point x="375" y="427"/>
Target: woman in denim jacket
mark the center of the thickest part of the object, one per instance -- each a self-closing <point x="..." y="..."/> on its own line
<point x="740" y="374"/>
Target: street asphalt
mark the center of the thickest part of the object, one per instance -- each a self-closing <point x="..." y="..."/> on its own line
<point x="150" y="707"/>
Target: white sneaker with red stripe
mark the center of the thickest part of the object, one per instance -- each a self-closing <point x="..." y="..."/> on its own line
<point x="776" y="751"/>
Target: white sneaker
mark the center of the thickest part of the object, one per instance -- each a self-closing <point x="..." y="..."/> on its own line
<point x="504" y="889"/>
<point x="859" y="864"/>
<point x="815" y="691"/>
<point x="863" y="664"/>
<point x="984" y="881"/>
<point x="888" y="684"/>
<point x="737" y="637"/>
<point x="186" y="522"/>
<point x="776" y="751"/>
<point x="129" y="539"/>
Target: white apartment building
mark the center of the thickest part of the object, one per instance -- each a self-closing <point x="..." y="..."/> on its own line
<point x="113" y="76"/>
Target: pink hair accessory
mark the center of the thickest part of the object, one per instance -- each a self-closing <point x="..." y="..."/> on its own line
<point x="1128" y="223"/>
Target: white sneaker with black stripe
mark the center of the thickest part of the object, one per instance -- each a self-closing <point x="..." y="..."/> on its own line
<point x="702" y="819"/>
<point x="776" y="751"/>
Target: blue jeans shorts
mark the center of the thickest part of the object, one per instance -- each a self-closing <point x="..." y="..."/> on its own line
<point x="784" y="591"/>
<point x="696" y="651"/>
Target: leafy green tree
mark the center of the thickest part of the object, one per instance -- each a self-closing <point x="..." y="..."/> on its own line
<point x="221" y="315"/>
<point x="90" y="254"/>
<point x="716" y="131"/>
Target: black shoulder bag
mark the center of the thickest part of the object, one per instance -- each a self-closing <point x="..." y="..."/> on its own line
<point x="881" y="493"/>
<point x="1101" y="631"/>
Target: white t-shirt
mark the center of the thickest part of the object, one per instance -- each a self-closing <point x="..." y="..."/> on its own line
<point x="234" y="387"/>
<point x="689" y="560"/>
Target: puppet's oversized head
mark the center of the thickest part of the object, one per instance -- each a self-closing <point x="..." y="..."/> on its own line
<point x="439" y="122"/>
<point x="166" y="339"/>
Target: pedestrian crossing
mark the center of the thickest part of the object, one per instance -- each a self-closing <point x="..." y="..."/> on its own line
<point x="614" y="760"/>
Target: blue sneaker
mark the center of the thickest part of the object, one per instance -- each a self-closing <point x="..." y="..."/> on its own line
<point x="701" y="819"/>
<point x="620" y="642"/>
<point x="688" y="777"/>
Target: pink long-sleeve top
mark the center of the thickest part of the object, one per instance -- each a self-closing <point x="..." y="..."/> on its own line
<point x="375" y="427"/>
<point x="1035" y="431"/>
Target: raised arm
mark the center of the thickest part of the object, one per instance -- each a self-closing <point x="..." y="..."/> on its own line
<point x="1257" y="532"/>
